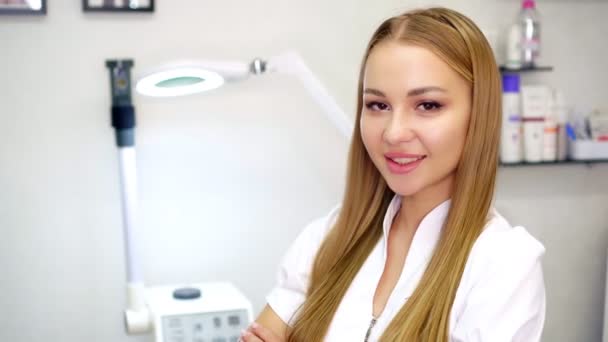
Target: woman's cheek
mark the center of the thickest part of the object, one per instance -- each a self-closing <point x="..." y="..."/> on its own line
<point x="371" y="132"/>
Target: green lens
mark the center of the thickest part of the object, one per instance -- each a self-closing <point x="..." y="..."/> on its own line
<point x="179" y="82"/>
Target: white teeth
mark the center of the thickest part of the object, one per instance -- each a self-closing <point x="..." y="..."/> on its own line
<point x="403" y="161"/>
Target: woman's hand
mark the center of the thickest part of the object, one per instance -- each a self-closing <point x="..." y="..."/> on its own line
<point x="258" y="333"/>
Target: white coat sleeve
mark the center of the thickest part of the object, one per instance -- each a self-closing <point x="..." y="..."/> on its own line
<point x="507" y="301"/>
<point x="294" y="270"/>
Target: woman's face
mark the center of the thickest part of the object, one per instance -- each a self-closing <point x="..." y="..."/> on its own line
<point x="415" y="117"/>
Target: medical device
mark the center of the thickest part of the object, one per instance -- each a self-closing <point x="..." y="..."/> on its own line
<point x="203" y="312"/>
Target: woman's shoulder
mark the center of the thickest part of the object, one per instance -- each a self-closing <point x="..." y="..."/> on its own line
<point x="502" y="247"/>
<point x="303" y="249"/>
<point x="500" y="239"/>
<point x="313" y="234"/>
<point x="502" y="293"/>
<point x="294" y="270"/>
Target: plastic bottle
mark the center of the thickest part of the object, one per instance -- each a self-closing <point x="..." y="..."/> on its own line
<point x="550" y="131"/>
<point x="514" y="48"/>
<point x="511" y="148"/>
<point x="561" y="114"/>
<point x="534" y="104"/>
<point x="529" y="19"/>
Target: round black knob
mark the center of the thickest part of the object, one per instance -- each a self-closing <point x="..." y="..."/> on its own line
<point x="186" y="293"/>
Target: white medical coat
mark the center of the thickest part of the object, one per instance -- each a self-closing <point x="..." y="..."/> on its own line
<point x="501" y="296"/>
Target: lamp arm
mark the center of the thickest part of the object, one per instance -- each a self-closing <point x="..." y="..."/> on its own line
<point x="291" y="63"/>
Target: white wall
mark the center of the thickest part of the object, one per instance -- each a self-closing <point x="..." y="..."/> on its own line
<point x="227" y="180"/>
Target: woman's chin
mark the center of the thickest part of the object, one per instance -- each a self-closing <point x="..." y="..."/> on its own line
<point x="404" y="190"/>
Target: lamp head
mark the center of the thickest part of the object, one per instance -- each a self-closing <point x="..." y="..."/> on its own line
<point x="185" y="78"/>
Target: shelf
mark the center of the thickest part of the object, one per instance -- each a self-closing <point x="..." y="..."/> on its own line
<point x="565" y="162"/>
<point x="526" y="69"/>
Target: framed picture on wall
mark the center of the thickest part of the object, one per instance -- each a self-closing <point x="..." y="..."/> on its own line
<point x="23" y="7"/>
<point x="117" y="5"/>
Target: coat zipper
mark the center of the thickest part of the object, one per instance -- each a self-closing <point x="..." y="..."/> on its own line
<point x="369" y="330"/>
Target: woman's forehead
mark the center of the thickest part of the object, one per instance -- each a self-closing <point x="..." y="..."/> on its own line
<point x="397" y="64"/>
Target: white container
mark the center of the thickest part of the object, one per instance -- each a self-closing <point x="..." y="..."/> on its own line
<point x="598" y="123"/>
<point x="588" y="150"/>
<point x="550" y="131"/>
<point x="511" y="147"/>
<point x="534" y="103"/>
<point x="533" y="141"/>
<point x="514" y="51"/>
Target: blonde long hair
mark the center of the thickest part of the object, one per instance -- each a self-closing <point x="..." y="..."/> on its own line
<point x="425" y="316"/>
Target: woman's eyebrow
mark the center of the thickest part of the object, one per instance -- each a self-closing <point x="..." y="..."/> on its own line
<point x="373" y="92"/>
<point x="413" y="92"/>
<point x="423" y="90"/>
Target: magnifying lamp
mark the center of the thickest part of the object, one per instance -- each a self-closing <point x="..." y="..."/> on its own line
<point x="190" y="77"/>
<point x="196" y="312"/>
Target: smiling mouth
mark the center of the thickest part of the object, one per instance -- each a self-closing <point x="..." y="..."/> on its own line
<point x="408" y="160"/>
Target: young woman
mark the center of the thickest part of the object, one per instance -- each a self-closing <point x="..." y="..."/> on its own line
<point x="415" y="252"/>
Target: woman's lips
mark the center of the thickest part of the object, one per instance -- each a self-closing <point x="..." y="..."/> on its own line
<point x="403" y="163"/>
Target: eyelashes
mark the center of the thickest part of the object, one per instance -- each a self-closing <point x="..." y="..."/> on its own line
<point x="429" y="106"/>
<point x="424" y="106"/>
<point x="376" y="106"/>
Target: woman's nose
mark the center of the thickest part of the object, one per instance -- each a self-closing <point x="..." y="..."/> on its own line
<point x="399" y="129"/>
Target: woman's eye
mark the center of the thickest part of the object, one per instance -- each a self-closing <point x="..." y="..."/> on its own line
<point x="429" y="106"/>
<point x="376" y="106"/>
